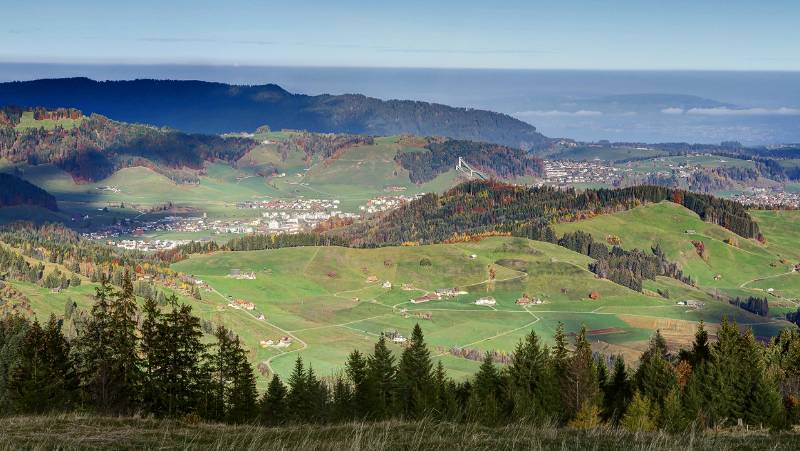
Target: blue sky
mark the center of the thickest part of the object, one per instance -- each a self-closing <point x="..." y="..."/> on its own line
<point x="643" y="34"/>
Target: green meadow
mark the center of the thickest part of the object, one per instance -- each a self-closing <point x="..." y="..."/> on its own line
<point x="331" y="300"/>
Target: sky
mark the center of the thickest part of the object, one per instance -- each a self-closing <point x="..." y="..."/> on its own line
<point x="530" y="34"/>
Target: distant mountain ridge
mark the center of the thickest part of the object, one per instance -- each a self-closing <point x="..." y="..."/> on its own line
<point x="207" y="107"/>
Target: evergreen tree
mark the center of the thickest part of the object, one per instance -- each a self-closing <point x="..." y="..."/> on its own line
<point x="360" y="398"/>
<point x="298" y="400"/>
<point x="414" y="377"/>
<point x="640" y="414"/>
<point x="42" y="378"/>
<point x="382" y="373"/>
<point x="445" y="402"/>
<point x="124" y="344"/>
<point x="233" y="381"/>
<point x="95" y="353"/>
<point x="485" y="400"/>
<point x="655" y="376"/>
<point x="533" y="385"/>
<point x="581" y="388"/>
<point x="343" y="405"/>
<point x="617" y="392"/>
<point x="273" y="410"/>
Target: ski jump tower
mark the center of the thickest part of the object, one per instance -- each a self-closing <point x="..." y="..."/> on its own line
<point x="466" y="169"/>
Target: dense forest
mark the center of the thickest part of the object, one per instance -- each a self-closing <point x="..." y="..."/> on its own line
<point x="126" y="359"/>
<point x="479" y="206"/>
<point x="492" y="159"/>
<point x="206" y="107"/>
<point x="98" y="146"/>
<point x="15" y="191"/>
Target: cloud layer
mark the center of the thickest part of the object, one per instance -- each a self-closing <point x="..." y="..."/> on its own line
<point x="558" y="113"/>
<point x="725" y="111"/>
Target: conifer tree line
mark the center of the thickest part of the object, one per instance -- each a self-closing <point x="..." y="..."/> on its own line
<point x="128" y="360"/>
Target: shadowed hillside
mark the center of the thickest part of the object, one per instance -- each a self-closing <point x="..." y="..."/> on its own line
<point x="197" y="106"/>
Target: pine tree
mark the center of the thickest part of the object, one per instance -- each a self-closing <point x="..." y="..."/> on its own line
<point x="298" y="400"/>
<point x="445" y="402"/>
<point x="241" y="401"/>
<point x="382" y="374"/>
<point x="356" y="370"/>
<point x="763" y="406"/>
<point x="640" y="413"/>
<point x="617" y="392"/>
<point x="233" y="381"/>
<point x="41" y="379"/>
<point x="485" y="400"/>
<point x="581" y="388"/>
<point x="343" y="405"/>
<point x="414" y="377"/>
<point x="532" y="382"/>
<point x="655" y="377"/>
<point x="672" y="418"/>
<point x="273" y="410"/>
<point x="123" y="310"/>
<point x="94" y="353"/>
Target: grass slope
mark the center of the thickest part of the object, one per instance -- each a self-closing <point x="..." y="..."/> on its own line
<point x="70" y="432"/>
<point x="330" y="300"/>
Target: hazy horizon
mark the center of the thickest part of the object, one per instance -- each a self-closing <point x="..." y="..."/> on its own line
<point x="754" y="107"/>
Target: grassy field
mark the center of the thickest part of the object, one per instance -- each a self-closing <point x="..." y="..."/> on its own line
<point x="331" y="300"/>
<point x="27" y="121"/>
<point x="359" y="174"/>
<point x="70" y="432"/>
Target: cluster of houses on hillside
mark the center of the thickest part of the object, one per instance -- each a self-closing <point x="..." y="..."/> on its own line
<point x="241" y="275"/>
<point x="691" y="303"/>
<point x="563" y="172"/>
<point x="386" y="203"/>
<point x="282" y="342"/>
<point x="148" y="245"/>
<point x="437" y="295"/>
<point x="763" y="197"/>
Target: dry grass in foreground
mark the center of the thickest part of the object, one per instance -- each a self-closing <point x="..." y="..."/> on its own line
<point x="74" y="431"/>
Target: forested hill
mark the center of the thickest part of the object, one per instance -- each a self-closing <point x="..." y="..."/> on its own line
<point x="492" y="159"/>
<point x="92" y="147"/>
<point x="15" y="191"/>
<point x="492" y="207"/>
<point x="205" y="107"/>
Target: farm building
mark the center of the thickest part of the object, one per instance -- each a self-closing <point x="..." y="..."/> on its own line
<point x="407" y="286"/>
<point x="242" y="304"/>
<point x="239" y="274"/>
<point x="448" y="292"/>
<point x="594" y="295"/>
<point x="487" y="301"/>
<point x="387" y="285"/>
<point x="425" y="298"/>
<point x="372" y="279"/>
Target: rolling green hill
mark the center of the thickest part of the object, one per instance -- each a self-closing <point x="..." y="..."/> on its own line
<point x="331" y="300"/>
<point x="744" y="267"/>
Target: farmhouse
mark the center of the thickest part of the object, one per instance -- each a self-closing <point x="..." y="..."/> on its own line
<point x="448" y="292"/>
<point x="239" y="274"/>
<point x="387" y="285"/>
<point x="242" y="304"/>
<point x="487" y="301"/>
<point x="425" y="298"/>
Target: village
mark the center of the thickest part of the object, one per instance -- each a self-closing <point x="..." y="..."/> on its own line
<point x="386" y="203"/>
<point x="564" y="172"/>
<point x="769" y="198"/>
